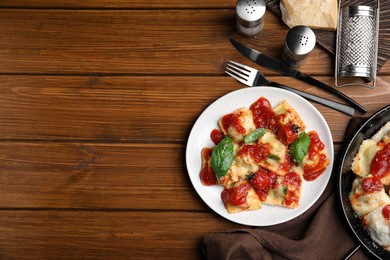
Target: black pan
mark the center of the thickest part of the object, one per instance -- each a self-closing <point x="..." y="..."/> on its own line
<point x="364" y="131"/>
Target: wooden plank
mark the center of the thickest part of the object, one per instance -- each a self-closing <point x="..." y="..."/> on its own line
<point x="108" y="42"/>
<point x="96" y="42"/>
<point x="102" y="176"/>
<point x="72" y="175"/>
<point x="113" y="235"/>
<point x="121" y="109"/>
<point x="117" y="4"/>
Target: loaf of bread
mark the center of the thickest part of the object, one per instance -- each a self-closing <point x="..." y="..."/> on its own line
<point x="312" y="13"/>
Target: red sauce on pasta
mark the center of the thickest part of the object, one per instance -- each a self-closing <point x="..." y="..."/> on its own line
<point x="233" y="120"/>
<point x="313" y="171"/>
<point x="293" y="183"/>
<point x="264" y="116"/>
<point x="287" y="135"/>
<point x="236" y="195"/>
<point x="257" y="152"/>
<point x="386" y="212"/>
<point x="216" y="136"/>
<point x="261" y="182"/>
<point x="371" y="185"/>
<point x="380" y="165"/>
<point x="207" y="174"/>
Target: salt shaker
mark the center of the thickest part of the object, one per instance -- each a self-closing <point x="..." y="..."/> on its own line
<point x="249" y="17"/>
<point x="300" y="41"/>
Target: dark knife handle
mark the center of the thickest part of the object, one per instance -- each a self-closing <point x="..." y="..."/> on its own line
<point x="323" y="101"/>
<point x="315" y="82"/>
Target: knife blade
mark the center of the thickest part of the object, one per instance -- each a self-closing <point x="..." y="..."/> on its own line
<point x="276" y="65"/>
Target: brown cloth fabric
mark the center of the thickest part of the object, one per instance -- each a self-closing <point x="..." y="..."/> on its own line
<point x="319" y="233"/>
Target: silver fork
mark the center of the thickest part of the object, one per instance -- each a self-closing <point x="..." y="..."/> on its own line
<point x="254" y="78"/>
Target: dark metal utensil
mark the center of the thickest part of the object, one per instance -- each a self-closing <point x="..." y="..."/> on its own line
<point x="254" y="78"/>
<point x="270" y="63"/>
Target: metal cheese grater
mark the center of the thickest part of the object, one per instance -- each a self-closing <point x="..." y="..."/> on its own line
<point x="357" y="45"/>
<point x="250" y="17"/>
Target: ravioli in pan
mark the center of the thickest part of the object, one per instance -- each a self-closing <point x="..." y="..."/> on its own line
<point x="369" y="196"/>
<point x="262" y="154"/>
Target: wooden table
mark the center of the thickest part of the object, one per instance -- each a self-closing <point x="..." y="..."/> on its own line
<point x="97" y="99"/>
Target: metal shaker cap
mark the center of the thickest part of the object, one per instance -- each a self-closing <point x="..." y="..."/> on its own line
<point x="300" y="41"/>
<point x="249" y="16"/>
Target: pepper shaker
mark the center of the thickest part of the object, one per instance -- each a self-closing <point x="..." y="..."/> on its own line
<point x="300" y="41"/>
<point x="250" y="17"/>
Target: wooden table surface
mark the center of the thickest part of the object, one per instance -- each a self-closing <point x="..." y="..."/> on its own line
<point x="97" y="99"/>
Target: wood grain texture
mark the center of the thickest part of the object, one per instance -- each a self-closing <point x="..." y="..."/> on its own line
<point x="126" y="41"/>
<point x="136" y="109"/>
<point x="96" y="176"/>
<point x="105" y="235"/>
<point x="122" y="4"/>
<point x="97" y="101"/>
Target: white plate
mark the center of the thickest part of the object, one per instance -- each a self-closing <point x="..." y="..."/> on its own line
<point x="200" y="137"/>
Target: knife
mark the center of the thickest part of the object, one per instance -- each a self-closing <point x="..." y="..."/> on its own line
<point x="273" y="64"/>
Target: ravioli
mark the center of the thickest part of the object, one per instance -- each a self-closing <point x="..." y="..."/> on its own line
<point x="239" y="197"/>
<point x="262" y="170"/>
<point x="277" y="157"/>
<point x="369" y="151"/>
<point x="363" y="159"/>
<point x="289" y="116"/>
<point x="378" y="225"/>
<point x="367" y="194"/>
<point x="286" y="191"/>
<point x="237" y="124"/>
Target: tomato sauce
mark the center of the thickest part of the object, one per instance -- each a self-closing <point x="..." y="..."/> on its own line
<point x="216" y="136"/>
<point x="316" y="144"/>
<point x="236" y="195"/>
<point x="288" y="163"/>
<point x="233" y="120"/>
<point x="380" y="165"/>
<point x="312" y="172"/>
<point x="257" y="152"/>
<point x="371" y="185"/>
<point x="386" y="212"/>
<point x="287" y="135"/>
<point x="292" y="179"/>
<point x="264" y="116"/>
<point x="261" y="182"/>
<point x="293" y="183"/>
<point x="207" y="174"/>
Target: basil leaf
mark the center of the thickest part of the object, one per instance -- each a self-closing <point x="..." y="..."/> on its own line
<point x="255" y="135"/>
<point x="300" y="148"/>
<point x="222" y="157"/>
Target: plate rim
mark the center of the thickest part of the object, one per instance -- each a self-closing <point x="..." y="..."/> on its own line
<point x="344" y="153"/>
<point x="265" y="92"/>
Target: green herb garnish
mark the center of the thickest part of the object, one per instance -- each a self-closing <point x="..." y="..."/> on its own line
<point x="255" y="135"/>
<point x="222" y="157"/>
<point x="300" y="147"/>
<point x="274" y="157"/>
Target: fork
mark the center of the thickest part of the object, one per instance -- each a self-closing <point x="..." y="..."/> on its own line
<point x="254" y="78"/>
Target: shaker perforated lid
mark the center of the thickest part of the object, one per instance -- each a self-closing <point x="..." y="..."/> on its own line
<point x="250" y="12"/>
<point x="300" y="41"/>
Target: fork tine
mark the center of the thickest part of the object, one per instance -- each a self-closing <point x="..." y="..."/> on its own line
<point x="238" y="67"/>
<point x="240" y="72"/>
<point x="237" y="77"/>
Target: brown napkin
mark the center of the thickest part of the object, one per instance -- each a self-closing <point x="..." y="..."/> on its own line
<point x="319" y="233"/>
